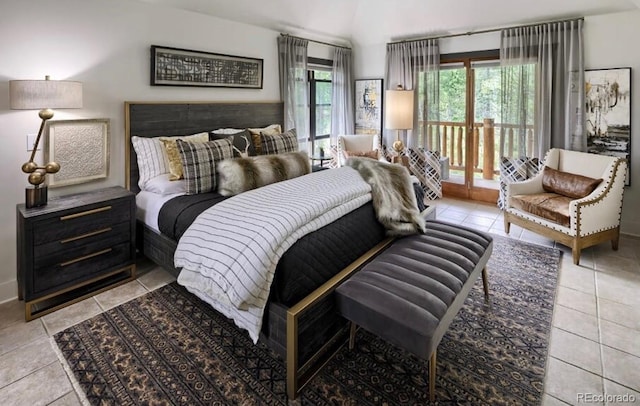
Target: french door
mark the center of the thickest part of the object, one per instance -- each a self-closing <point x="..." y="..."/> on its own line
<point x="469" y="110"/>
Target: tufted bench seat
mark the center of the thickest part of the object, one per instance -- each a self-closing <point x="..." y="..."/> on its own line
<point x="409" y="294"/>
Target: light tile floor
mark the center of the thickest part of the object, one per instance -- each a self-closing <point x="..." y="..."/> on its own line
<point x="594" y="348"/>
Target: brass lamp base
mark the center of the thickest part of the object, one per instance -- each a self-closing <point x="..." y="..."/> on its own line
<point x="398" y="146"/>
<point x="35" y="196"/>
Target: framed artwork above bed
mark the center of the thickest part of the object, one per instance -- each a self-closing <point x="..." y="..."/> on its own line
<point x="184" y="67"/>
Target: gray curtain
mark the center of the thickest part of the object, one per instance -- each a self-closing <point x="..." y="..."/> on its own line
<point x="342" y="115"/>
<point x="415" y="65"/>
<point x="543" y="88"/>
<point x="293" y="86"/>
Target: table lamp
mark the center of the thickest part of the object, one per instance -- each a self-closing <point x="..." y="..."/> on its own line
<point x="399" y="113"/>
<point x="45" y="95"/>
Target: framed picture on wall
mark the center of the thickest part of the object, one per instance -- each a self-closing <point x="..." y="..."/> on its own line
<point x="81" y="147"/>
<point x="368" y="106"/>
<point x="185" y="67"/>
<point x="608" y="113"/>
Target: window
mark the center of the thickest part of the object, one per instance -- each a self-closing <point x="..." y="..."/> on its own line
<point x="320" y="94"/>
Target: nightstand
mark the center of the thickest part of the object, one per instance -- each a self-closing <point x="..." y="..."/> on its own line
<point x="74" y="247"/>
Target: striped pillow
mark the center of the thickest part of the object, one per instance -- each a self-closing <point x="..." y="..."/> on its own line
<point x="151" y="159"/>
<point x="199" y="163"/>
<point x="279" y="143"/>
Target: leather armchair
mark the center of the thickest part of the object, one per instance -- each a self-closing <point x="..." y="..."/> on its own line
<point x="593" y="219"/>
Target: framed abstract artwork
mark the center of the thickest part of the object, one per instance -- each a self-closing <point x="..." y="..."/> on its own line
<point x="183" y="67"/>
<point x="81" y="147"/>
<point x="608" y="113"/>
<point x="368" y="106"/>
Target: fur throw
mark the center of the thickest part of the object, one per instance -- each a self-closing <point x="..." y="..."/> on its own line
<point x="241" y="174"/>
<point x="394" y="199"/>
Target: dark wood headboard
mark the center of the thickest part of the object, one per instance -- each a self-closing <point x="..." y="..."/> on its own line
<point x="155" y="119"/>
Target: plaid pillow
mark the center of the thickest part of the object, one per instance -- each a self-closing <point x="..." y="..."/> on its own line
<point x="255" y="135"/>
<point x="199" y="163"/>
<point x="173" y="155"/>
<point x="279" y="143"/>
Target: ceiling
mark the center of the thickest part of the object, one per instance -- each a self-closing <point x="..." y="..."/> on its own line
<point x="380" y="21"/>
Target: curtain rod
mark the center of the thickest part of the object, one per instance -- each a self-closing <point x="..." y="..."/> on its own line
<point x="313" y="40"/>
<point x="484" y="31"/>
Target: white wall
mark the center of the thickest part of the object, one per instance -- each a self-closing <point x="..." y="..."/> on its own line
<point x="610" y="42"/>
<point x="105" y="45"/>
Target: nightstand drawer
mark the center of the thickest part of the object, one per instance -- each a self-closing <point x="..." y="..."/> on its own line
<point x="79" y="265"/>
<point x="105" y="235"/>
<point x="81" y="222"/>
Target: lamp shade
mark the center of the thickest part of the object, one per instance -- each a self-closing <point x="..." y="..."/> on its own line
<point x="399" y="109"/>
<point x="45" y="94"/>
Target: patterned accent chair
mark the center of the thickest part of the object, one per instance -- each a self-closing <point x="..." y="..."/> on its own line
<point x="426" y="166"/>
<point x="557" y="204"/>
<point x="333" y="153"/>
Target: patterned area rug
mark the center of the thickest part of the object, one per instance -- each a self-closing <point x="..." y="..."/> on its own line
<point x="168" y="347"/>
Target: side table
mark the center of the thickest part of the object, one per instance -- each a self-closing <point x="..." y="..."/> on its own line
<point x="74" y="247"/>
<point x="321" y="159"/>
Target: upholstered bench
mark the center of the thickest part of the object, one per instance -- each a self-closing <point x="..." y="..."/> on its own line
<point x="409" y="294"/>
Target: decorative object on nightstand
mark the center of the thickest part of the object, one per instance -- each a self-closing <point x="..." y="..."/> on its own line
<point x="74" y="247"/>
<point x="45" y="95"/>
<point x="399" y="116"/>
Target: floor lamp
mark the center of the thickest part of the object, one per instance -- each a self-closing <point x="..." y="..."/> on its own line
<point x="399" y="116"/>
<point x="45" y="95"/>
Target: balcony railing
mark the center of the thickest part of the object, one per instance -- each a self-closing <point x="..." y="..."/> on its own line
<point x="490" y="142"/>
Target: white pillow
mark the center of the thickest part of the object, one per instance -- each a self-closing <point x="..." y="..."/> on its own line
<point x="151" y="159"/>
<point x="163" y="186"/>
<point x="227" y="131"/>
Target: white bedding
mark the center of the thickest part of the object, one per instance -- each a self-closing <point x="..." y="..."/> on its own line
<point x="229" y="254"/>
<point x="148" y="207"/>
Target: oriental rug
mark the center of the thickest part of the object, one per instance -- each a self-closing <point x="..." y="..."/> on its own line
<point x="169" y="347"/>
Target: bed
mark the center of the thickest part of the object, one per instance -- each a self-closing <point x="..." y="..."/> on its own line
<point x="300" y="322"/>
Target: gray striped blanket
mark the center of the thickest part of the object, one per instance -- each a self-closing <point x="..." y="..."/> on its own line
<point x="230" y="252"/>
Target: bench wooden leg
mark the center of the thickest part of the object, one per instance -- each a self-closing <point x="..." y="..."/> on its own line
<point x="507" y="226"/>
<point x="432" y="377"/>
<point x="352" y="335"/>
<point x="485" y="282"/>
